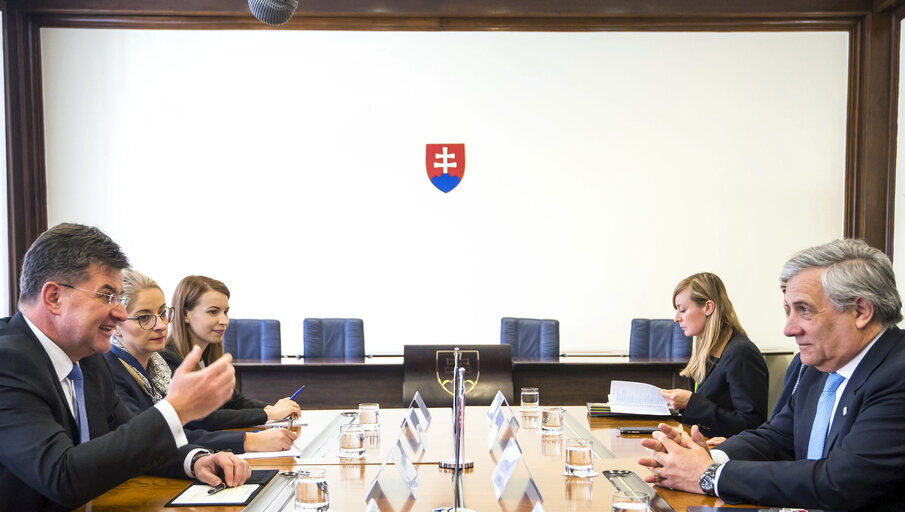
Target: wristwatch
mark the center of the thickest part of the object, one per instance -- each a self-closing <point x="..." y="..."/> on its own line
<point x="707" y="482"/>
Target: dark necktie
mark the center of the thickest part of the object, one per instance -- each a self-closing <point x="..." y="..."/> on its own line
<point x="822" y="418"/>
<point x="81" y="416"/>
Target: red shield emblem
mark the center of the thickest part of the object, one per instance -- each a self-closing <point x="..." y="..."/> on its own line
<point x="445" y="165"/>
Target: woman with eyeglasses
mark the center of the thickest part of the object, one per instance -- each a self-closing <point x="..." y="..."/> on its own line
<point x="200" y="317"/>
<point x="142" y="376"/>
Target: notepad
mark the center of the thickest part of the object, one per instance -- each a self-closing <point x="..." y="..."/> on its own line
<point x="196" y="494"/>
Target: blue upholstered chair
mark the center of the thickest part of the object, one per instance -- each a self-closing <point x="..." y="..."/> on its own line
<point x="531" y="338"/>
<point x="659" y="339"/>
<point x="334" y="338"/>
<point x="252" y="339"/>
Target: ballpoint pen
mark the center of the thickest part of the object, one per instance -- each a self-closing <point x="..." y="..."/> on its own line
<point x="217" y="488"/>
<point x="296" y="393"/>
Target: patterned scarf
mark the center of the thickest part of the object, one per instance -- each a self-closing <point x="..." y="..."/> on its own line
<point x="155" y="380"/>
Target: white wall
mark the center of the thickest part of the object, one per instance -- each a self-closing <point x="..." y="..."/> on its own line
<point x="601" y="169"/>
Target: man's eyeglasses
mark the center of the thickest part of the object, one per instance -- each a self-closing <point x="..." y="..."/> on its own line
<point x="111" y="298"/>
<point x="149" y="321"/>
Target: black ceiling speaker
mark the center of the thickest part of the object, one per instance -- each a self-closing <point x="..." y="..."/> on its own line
<point x="273" y="12"/>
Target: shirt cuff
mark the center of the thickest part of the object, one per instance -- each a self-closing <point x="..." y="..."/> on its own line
<point x="721" y="458"/>
<point x="187" y="463"/>
<point x="172" y="419"/>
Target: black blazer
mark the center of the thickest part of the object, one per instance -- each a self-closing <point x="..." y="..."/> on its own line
<point x="733" y="395"/>
<point x="237" y="412"/>
<point x="864" y="451"/>
<point x="42" y="464"/>
<point x="137" y="400"/>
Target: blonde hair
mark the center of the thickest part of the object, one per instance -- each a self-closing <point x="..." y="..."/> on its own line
<point x="705" y="287"/>
<point x="133" y="283"/>
<point x="185" y="298"/>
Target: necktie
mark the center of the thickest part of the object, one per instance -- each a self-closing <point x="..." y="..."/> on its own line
<point x="822" y="418"/>
<point x="82" y="417"/>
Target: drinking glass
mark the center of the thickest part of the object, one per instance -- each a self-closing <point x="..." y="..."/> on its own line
<point x="311" y="493"/>
<point x="551" y="420"/>
<point x="530" y="399"/>
<point x="369" y="416"/>
<point x="580" y="458"/>
<point x="351" y="440"/>
<point x="630" y="501"/>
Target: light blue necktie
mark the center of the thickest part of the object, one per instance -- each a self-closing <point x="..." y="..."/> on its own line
<point x="822" y="418"/>
<point x="82" y="417"/>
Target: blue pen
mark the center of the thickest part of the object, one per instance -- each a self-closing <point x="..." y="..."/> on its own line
<point x="296" y="393"/>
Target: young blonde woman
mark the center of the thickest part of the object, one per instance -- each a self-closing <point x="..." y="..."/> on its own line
<point x="729" y="371"/>
<point x="142" y="376"/>
<point x="200" y="317"/>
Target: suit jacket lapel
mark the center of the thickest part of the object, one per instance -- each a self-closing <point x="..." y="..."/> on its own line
<point x="809" y="389"/>
<point x="43" y="359"/>
<point x="848" y="402"/>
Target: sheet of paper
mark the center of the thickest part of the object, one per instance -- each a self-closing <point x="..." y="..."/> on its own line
<point x="637" y="398"/>
<point x="293" y="451"/>
<point x="197" y="495"/>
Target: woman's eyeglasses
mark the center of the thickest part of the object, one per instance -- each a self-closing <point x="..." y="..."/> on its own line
<point x="149" y="321"/>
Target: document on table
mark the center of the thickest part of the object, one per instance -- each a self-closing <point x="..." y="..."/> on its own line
<point x="637" y="398"/>
<point x="293" y="451"/>
<point x="198" y="494"/>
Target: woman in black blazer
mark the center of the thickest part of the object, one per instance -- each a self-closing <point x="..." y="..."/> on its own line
<point x="200" y="317"/>
<point x="729" y="371"/>
<point x="142" y="375"/>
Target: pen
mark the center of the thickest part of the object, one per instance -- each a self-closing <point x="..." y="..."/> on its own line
<point x="296" y="393"/>
<point x="219" y="487"/>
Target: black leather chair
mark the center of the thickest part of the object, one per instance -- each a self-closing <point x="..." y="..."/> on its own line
<point x="334" y="338"/>
<point x="531" y="338"/>
<point x="247" y="338"/>
<point x="658" y="339"/>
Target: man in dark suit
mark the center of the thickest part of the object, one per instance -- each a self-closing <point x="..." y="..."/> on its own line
<point x="67" y="438"/>
<point x="837" y="442"/>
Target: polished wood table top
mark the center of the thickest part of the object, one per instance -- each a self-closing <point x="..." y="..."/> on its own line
<point x="349" y="480"/>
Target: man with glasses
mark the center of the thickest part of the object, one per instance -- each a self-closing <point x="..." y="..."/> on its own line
<point x="66" y="437"/>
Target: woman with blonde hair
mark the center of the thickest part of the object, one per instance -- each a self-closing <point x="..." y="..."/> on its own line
<point x="730" y="374"/>
<point x="142" y="376"/>
<point x="201" y="315"/>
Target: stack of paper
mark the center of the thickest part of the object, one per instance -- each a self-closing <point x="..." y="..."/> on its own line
<point x="631" y="398"/>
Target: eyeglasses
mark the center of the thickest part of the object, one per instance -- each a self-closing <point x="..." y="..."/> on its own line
<point x="111" y="298"/>
<point x="149" y="321"/>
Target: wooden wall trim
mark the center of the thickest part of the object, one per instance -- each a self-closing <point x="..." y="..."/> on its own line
<point x="873" y="68"/>
<point x="26" y="188"/>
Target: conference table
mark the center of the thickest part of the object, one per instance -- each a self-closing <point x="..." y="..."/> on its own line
<point x="349" y="480"/>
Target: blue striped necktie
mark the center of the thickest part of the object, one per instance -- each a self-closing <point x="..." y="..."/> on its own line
<point x="81" y="416"/>
<point x="822" y="418"/>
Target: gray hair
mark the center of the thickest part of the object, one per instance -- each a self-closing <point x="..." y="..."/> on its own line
<point x="852" y="269"/>
<point x="63" y="253"/>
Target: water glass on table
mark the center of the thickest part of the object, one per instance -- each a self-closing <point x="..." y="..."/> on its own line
<point x="369" y="416"/>
<point x="351" y="441"/>
<point x="630" y="501"/>
<point x="311" y="493"/>
<point x="551" y="420"/>
<point x="580" y="458"/>
<point x="530" y="399"/>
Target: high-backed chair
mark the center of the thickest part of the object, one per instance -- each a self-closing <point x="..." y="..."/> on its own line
<point x="334" y="338"/>
<point x="531" y="338"/>
<point x="252" y="339"/>
<point x="658" y="339"/>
